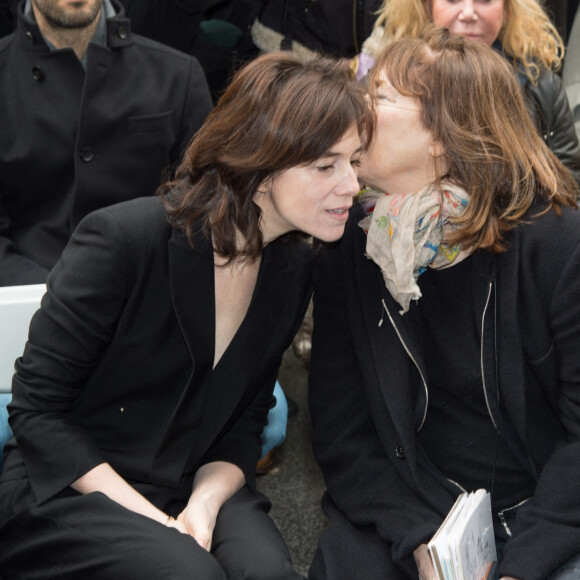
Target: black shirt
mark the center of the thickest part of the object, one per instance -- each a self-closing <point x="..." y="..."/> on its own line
<point x="458" y="434"/>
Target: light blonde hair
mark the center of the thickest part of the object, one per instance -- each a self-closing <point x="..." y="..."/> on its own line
<point x="528" y="36"/>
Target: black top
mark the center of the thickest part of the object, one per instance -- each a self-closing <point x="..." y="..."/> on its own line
<point x="458" y="433"/>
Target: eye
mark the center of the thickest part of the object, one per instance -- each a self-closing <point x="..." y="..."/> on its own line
<point x="355" y="162"/>
<point x="384" y="97"/>
<point x="325" y="167"/>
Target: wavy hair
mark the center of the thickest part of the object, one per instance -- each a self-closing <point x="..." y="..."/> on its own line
<point x="529" y="38"/>
<point x="279" y="111"/>
<point x="471" y="103"/>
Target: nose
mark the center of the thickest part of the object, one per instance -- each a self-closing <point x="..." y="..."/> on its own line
<point x="349" y="185"/>
<point x="467" y="13"/>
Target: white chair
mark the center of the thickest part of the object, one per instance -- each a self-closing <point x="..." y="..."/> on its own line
<point x="17" y="305"/>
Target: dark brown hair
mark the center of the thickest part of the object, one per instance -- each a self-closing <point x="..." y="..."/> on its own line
<point x="280" y="111"/>
<point x="472" y="104"/>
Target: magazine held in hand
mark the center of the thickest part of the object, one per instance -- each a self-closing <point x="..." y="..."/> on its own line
<point x="463" y="548"/>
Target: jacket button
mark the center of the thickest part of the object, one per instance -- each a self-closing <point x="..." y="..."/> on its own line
<point x="37" y="73"/>
<point x="399" y="451"/>
<point x="30" y="36"/>
<point x="122" y="32"/>
<point x="87" y="155"/>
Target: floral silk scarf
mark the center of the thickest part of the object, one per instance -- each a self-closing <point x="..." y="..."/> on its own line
<point x="405" y="234"/>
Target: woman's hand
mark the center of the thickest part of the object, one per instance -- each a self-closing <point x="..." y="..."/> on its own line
<point x="179" y="526"/>
<point x="213" y="485"/>
<point x="198" y="519"/>
<point x="424" y="563"/>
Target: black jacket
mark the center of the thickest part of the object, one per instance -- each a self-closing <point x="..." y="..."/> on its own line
<point x="118" y="366"/>
<point x="362" y="378"/>
<point x="549" y="107"/>
<point x="327" y="26"/>
<point x="74" y="141"/>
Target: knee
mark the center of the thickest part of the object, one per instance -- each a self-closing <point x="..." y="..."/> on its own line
<point x="186" y="559"/>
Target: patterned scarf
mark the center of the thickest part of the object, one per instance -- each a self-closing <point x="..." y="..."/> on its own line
<point x="405" y="235"/>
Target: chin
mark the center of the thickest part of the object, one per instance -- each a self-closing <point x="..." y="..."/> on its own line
<point x="329" y="237"/>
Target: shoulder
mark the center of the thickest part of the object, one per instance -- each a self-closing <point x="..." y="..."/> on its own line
<point x="298" y="256"/>
<point x="547" y="90"/>
<point x="545" y="241"/>
<point x="141" y="218"/>
<point x="172" y="57"/>
<point x="547" y="226"/>
<point x="6" y="43"/>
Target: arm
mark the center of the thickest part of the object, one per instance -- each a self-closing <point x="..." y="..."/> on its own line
<point x="67" y="336"/>
<point x="360" y="477"/>
<point x="549" y="524"/>
<point x="562" y="140"/>
<point x="15" y="269"/>
<point x="213" y="485"/>
<point x="240" y="442"/>
<point x="106" y="480"/>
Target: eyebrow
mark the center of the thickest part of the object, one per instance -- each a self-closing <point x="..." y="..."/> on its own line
<point x="336" y="154"/>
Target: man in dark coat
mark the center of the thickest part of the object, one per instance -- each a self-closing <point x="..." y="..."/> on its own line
<point x="91" y="115"/>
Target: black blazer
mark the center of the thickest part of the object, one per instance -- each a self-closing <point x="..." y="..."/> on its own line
<point x="118" y="366"/>
<point x="365" y="415"/>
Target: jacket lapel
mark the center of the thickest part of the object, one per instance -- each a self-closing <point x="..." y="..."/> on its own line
<point x="385" y="346"/>
<point x="211" y="396"/>
<point x="191" y="282"/>
<point x="240" y="364"/>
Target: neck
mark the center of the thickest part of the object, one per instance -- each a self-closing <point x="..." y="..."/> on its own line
<point x="76" y="38"/>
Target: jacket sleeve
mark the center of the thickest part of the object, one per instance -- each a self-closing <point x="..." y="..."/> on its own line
<point x="85" y="296"/>
<point x="241" y="442"/>
<point x="360" y="477"/>
<point x="549" y="524"/>
<point x="15" y="269"/>
<point x="561" y="138"/>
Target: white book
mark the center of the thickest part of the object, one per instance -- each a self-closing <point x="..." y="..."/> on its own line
<point x="17" y="305"/>
<point x="464" y="545"/>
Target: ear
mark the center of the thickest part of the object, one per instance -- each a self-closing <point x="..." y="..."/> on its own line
<point x="264" y="187"/>
<point x="436" y="149"/>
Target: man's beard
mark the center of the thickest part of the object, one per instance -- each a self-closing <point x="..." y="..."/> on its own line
<point x="68" y="18"/>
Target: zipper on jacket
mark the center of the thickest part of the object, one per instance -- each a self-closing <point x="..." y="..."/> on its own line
<point x="481" y="355"/>
<point x="502" y="519"/>
<point x="414" y="362"/>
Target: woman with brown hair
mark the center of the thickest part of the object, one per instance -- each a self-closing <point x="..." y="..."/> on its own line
<point x="518" y="29"/>
<point x="148" y="374"/>
<point x="447" y="327"/>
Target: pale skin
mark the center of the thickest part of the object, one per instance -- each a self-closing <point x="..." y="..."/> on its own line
<point x="318" y="207"/>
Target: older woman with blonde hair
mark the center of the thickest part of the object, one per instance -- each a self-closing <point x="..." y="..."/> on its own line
<point x="520" y="29"/>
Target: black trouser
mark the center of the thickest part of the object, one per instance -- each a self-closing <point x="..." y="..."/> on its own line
<point x="92" y="537"/>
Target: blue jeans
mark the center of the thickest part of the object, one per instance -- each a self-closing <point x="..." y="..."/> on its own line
<point x="274" y="432"/>
<point x="5" y="432"/>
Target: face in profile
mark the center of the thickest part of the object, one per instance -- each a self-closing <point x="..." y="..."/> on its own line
<point x="400" y="157"/>
<point x="313" y="198"/>
<point x="479" y="20"/>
